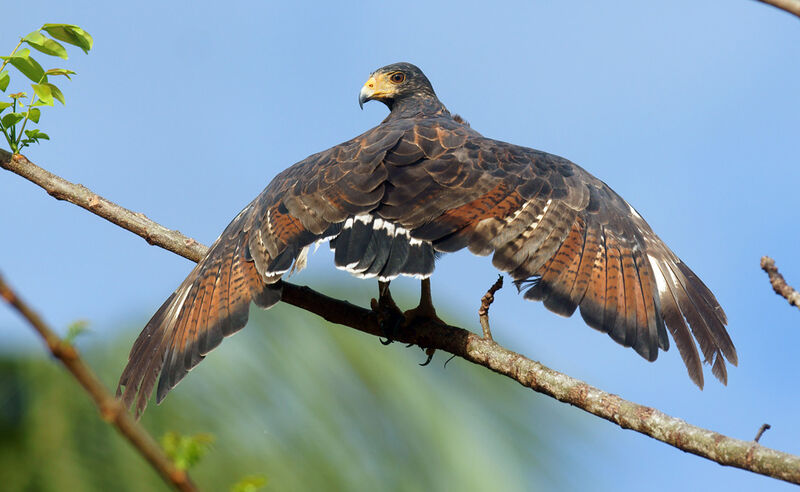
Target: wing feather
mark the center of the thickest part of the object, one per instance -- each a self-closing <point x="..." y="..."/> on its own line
<point x="390" y="197"/>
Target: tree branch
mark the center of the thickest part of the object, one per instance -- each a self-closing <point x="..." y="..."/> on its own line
<point x="111" y="409"/>
<point x="747" y="455"/>
<point x="779" y="284"/>
<point x="791" y="6"/>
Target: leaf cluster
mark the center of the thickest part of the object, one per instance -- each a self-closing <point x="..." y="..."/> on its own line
<point x="186" y="451"/>
<point x="16" y="115"/>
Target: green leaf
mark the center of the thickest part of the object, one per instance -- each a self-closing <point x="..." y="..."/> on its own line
<point x="39" y="102"/>
<point x="12" y="119"/>
<point x="44" y="92"/>
<point x="4" y="80"/>
<point x="34" y="114"/>
<point x="34" y="136"/>
<point x="186" y="451"/>
<point x="71" y="34"/>
<point x="4" y="106"/>
<point x="37" y="135"/>
<point x="23" y="53"/>
<point x="28" y="66"/>
<point x="38" y="41"/>
<point x="57" y="94"/>
<point x="76" y="328"/>
<point x="251" y="483"/>
<point x="60" y="71"/>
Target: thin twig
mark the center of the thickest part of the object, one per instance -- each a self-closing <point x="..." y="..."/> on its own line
<point x="761" y="430"/>
<point x="791" y="6"/>
<point x="111" y="409"/>
<point x="779" y="284"/>
<point x="722" y="449"/>
<point x="486" y="301"/>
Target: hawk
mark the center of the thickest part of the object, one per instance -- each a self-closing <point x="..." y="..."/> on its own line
<point x="419" y="184"/>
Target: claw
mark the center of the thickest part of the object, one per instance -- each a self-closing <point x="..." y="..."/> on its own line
<point x="391" y="318"/>
<point x="429" y="352"/>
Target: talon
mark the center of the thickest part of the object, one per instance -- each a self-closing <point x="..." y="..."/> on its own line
<point x="391" y="319"/>
<point x="429" y="352"/>
<point x="448" y="360"/>
<point x="385" y="342"/>
<point x="389" y="326"/>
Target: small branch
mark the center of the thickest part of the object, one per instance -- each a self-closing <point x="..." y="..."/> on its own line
<point x="779" y="284"/>
<point x="3" y="64"/>
<point x="139" y="224"/>
<point x="761" y="430"/>
<point x="791" y="6"/>
<point x="628" y="415"/>
<point x="111" y="409"/>
<point x="747" y="455"/>
<point x="486" y="301"/>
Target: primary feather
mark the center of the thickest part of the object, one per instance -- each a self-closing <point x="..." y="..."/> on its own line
<point x="421" y="183"/>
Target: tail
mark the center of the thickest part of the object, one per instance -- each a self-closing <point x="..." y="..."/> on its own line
<point x="212" y="303"/>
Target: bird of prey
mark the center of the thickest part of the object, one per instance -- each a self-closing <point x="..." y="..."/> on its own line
<point x="419" y="184"/>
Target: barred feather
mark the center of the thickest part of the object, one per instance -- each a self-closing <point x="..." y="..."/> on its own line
<point x="419" y="184"/>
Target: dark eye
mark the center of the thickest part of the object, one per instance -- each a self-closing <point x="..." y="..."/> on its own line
<point x="397" y="77"/>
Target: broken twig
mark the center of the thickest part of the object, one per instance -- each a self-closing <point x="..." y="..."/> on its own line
<point x="779" y="284"/>
<point x="486" y="301"/>
<point x="761" y="430"/>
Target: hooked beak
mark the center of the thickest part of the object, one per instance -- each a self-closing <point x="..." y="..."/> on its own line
<point x="367" y="92"/>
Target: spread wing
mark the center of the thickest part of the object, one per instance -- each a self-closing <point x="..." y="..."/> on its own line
<point x="212" y="303"/>
<point x="564" y="236"/>
<point x="310" y="201"/>
<point x="392" y="197"/>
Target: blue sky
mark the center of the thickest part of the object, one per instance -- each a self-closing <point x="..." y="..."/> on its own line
<point x="185" y="110"/>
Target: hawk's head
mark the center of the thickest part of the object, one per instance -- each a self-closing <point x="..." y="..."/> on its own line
<point x="394" y="83"/>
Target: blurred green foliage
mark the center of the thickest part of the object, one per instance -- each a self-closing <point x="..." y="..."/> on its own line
<point x="292" y="403"/>
<point x="76" y="329"/>
<point x="250" y="483"/>
<point x="186" y="451"/>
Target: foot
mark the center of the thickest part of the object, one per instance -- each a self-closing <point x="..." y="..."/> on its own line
<point x="391" y="319"/>
<point x="389" y="315"/>
<point x="424" y="312"/>
<point x="425" y="309"/>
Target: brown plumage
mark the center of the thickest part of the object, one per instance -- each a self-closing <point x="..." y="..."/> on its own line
<point x="424" y="182"/>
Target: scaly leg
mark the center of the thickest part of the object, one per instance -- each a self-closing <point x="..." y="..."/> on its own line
<point x="425" y="308"/>
<point x="424" y="311"/>
<point x="391" y="318"/>
<point x="389" y="314"/>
